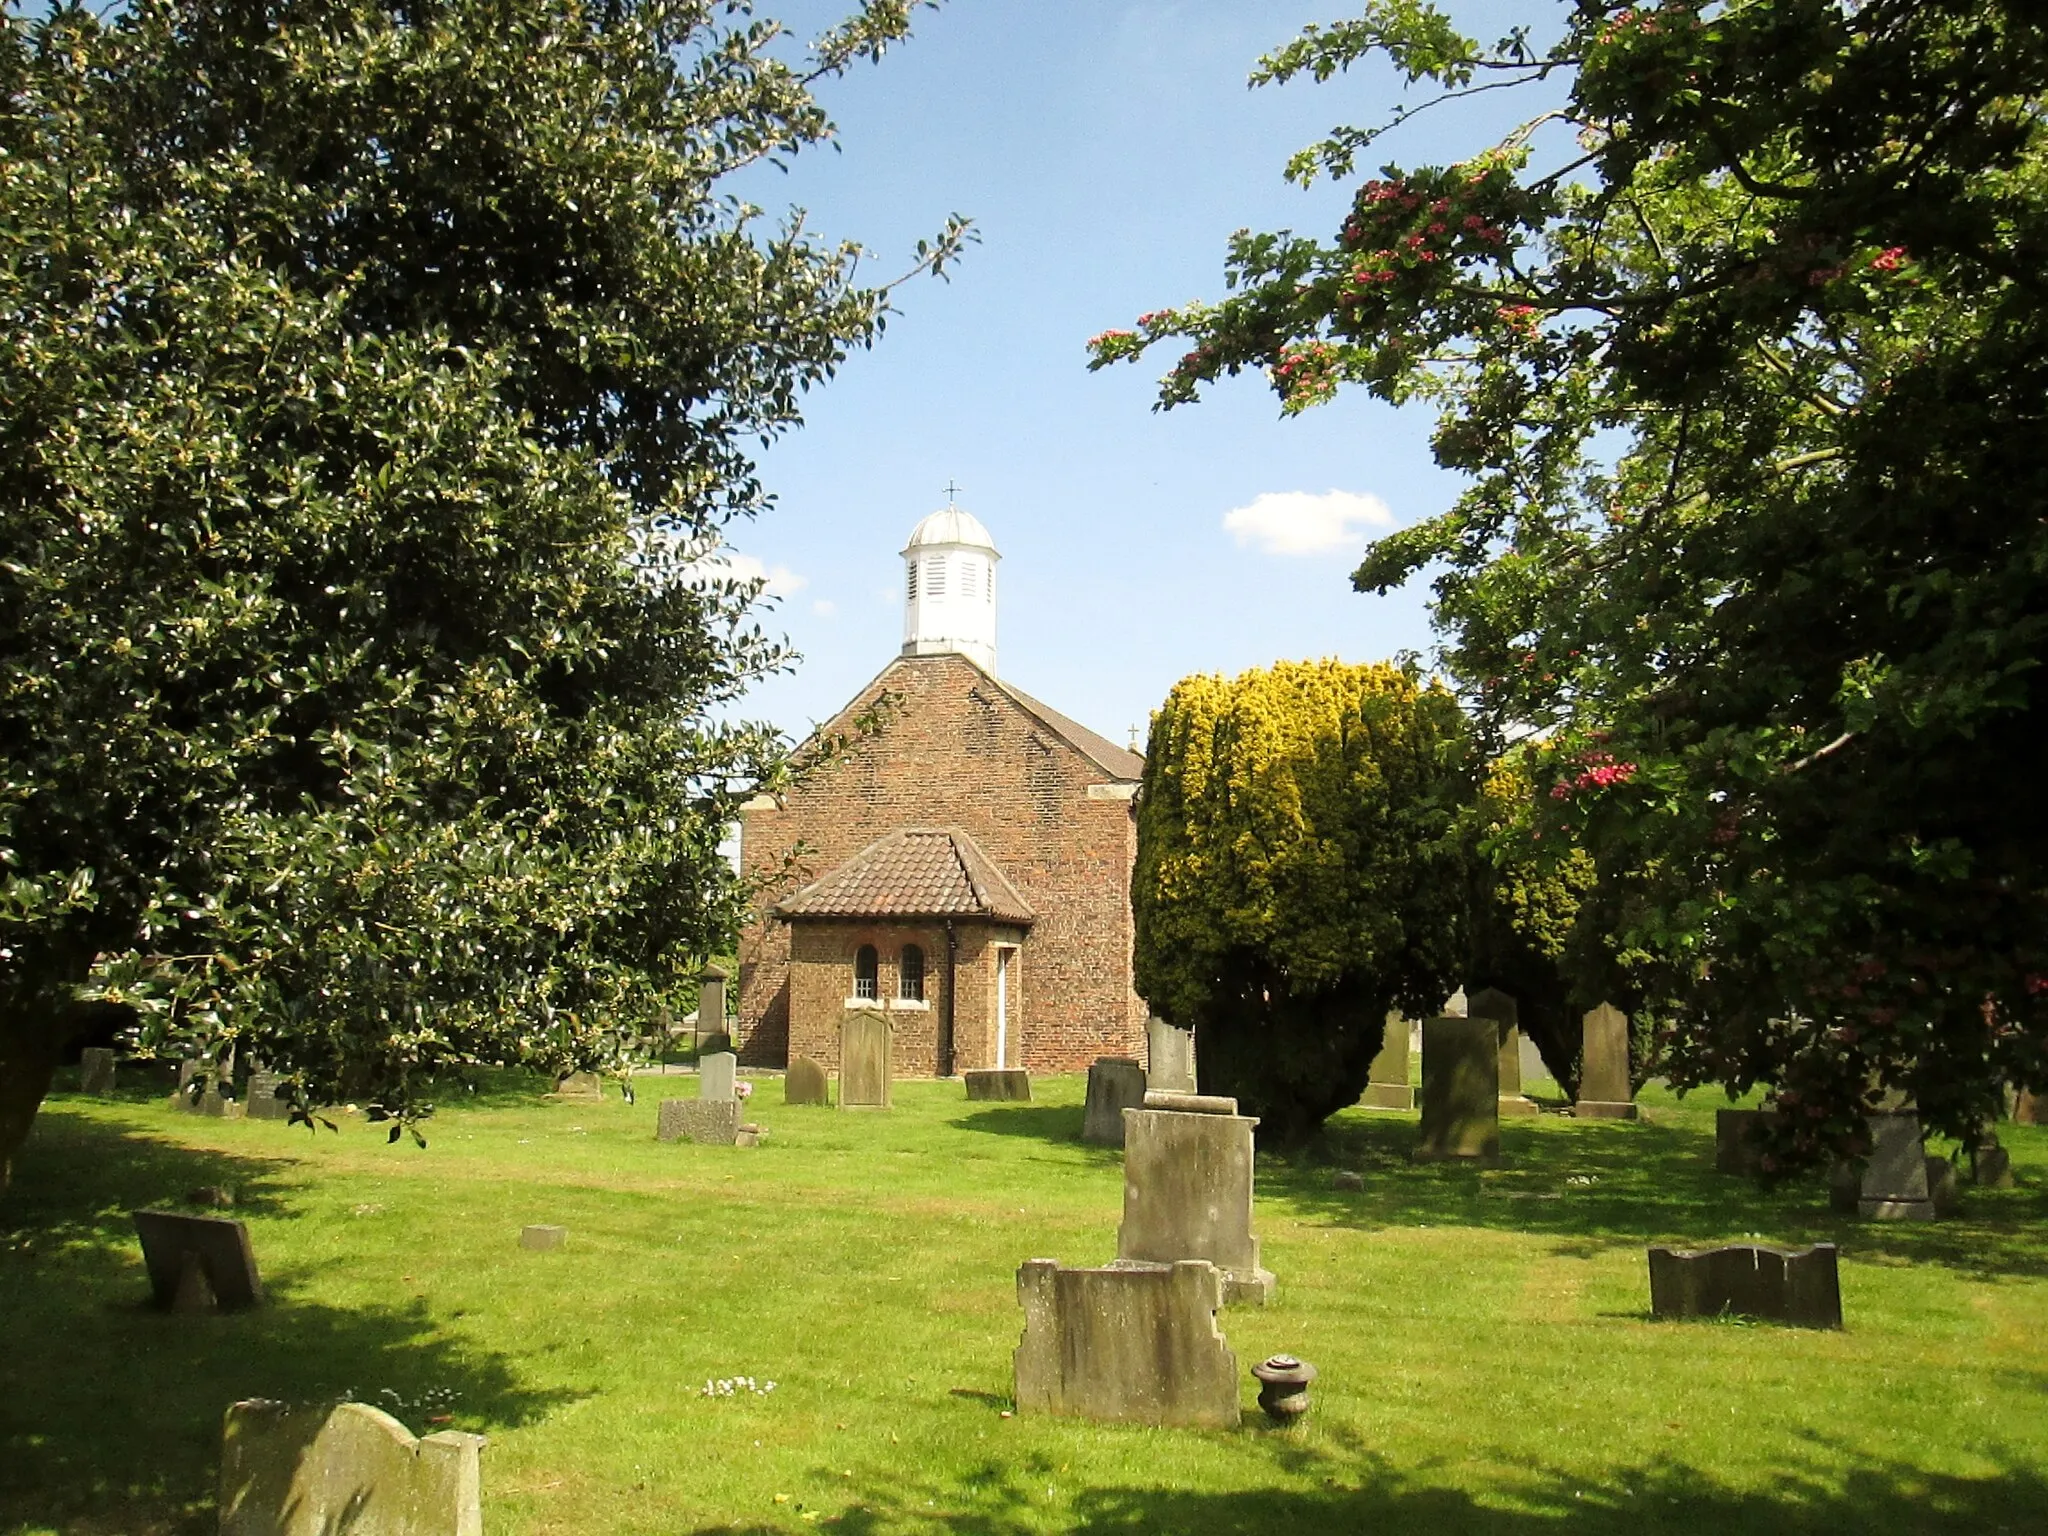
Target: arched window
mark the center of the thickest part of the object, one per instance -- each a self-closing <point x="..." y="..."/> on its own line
<point x="910" y="977"/>
<point x="867" y="972"/>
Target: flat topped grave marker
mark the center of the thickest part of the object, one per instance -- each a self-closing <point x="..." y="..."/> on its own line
<point x="1115" y="1084"/>
<point x="1188" y="1190"/>
<point x="707" y="1122"/>
<point x="1460" y="1090"/>
<point x="805" y="1083"/>
<point x="579" y="1086"/>
<point x="717" y="1076"/>
<point x="196" y="1263"/>
<point x="541" y="1238"/>
<point x="353" y="1468"/>
<point x="867" y="1060"/>
<point x="1001" y="1084"/>
<point x="1169" y="1057"/>
<point x="1132" y="1343"/>
<point x="1787" y="1285"/>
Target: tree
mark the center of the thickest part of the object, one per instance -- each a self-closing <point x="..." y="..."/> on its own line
<point x="1741" y="342"/>
<point x="1302" y="867"/>
<point x="378" y="377"/>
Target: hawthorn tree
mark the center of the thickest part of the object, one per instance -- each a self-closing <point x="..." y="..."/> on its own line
<point x="1740" y="340"/>
<point x="377" y="377"/>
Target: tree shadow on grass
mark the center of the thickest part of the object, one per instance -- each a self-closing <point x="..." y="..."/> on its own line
<point x="1056" y="1123"/>
<point x="111" y="1417"/>
<point x="1599" y="1185"/>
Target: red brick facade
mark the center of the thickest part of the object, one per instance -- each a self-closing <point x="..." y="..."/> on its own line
<point x="1048" y="803"/>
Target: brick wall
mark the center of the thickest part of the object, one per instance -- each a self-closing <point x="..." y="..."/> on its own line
<point x="956" y="751"/>
<point x="821" y="980"/>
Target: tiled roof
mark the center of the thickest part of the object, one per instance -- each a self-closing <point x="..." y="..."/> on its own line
<point x="917" y="872"/>
<point x="1112" y="759"/>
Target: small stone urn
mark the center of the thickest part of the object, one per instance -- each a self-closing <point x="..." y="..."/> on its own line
<point x="1283" y="1387"/>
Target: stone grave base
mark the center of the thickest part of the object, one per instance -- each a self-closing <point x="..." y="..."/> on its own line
<point x="1387" y="1096"/>
<point x="579" y="1086"/>
<point x="749" y="1136"/>
<point x="1591" y="1109"/>
<point x="1791" y="1285"/>
<point x="540" y="1239"/>
<point x="1008" y="1084"/>
<point x="1131" y="1343"/>
<point x="707" y="1122"/>
<point x="1514" y="1104"/>
<point x="311" y="1471"/>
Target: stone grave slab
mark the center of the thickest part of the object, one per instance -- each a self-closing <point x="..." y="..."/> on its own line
<point x="1188" y="1190"/>
<point x="541" y="1238"/>
<point x="315" y="1471"/>
<point x="805" y="1083"/>
<point x="867" y="1062"/>
<point x="1604" y="1092"/>
<point x="260" y="1098"/>
<point x="1115" y="1084"/>
<point x="581" y="1087"/>
<point x="1004" y="1084"/>
<point x="711" y="1031"/>
<point x="1460" y="1090"/>
<point x="1387" y="1085"/>
<point x="717" y="1075"/>
<point x="1894" y="1182"/>
<point x="749" y="1136"/>
<point x="1492" y="1003"/>
<point x="1789" y="1285"/>
<point x="96" y="1071"/>
<point x="198" y="1262"/>
<point x="1169" y="1057"/>
<point x="707" y="1122"/>
<point x="1133" y="1344"/>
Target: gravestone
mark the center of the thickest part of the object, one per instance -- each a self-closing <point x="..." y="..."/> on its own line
<point x="1790" y="1285"/>
<point x="1991" y="1165"/>
<point x="1942" y="1192"/>
<point x="1115" y="1084"/>
<point x="1894" y="1182"/>
<point x="749" y="1136"/>
<point x="1735" y="1148"/>
<point x="1188" y="1190"/>
<point x="581" y="1087"/>
<point x="541" y="1238"/>
<point x="198" y="1262"/>
<point x="805" y="1083"/>
<point x="1169" y="1058"/>
<point x="1386" y="1080"/>
<point x="866" y="1060"/>
<point x="716" y="1075"/>
<point x="316" y="1471"/>
<point x="2028" y="1109"/>
<point x="1460" y="1090"/>
<point x="260" y="1098"/>
<point x="1604" y="1093"/>
<point x="707" y="1122"/>
<point x="711" y="1032"/>
<point x="96" y="1071"/>
<point x="1132" y="1343"/>
<point x="198" y="1091"/>
<point x="1011" y="1084"/>
<point x="1492" y="1003"/>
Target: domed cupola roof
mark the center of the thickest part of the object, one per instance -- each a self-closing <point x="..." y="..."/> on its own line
<point x="950" y="525"/>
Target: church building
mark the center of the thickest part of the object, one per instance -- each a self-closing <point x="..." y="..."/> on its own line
<point x="964" y="865"/>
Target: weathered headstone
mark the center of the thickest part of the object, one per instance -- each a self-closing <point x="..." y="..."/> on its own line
<point x="1169" y="1058"/>
<point x="187" y="1094"/>
<point x="1492" y="1003"/>
<point x="1942" y="1192"/>
<point x="805" y="1083"/>
<point x="711" y="1031"/>
<point x="2029" y="1109"/>
<point x="1604" y="1092"/>
<point x="749" y="1136"/>
<point x="1735" y="1140"/>
<point x="1792" y="1285"/>
<point x="96" y="1071"/>
<point x="541" y="1237"/>
<point x="1115" y="1084"/>
<point x="579" y="1086"/>
<point x="260" y="1094"/>
<point x="707" y="1122"/>
<point x="317" y="1471"/>
<point x="1460" y="1090"/>
<point x="716" y="1075"/>
<point x="1387" y="1085"/>
<point x="1135" y="1344"/>
<point x="1188" y="1190"/>
<point x="1894" y="1182"/>
<point x="198" y="1262"/>
<point x="1991" y="1166"/>
<point x="867" y="1065"/>
<point x="1011" y="1084"/>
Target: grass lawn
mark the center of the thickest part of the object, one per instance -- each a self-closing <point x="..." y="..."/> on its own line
<point x="1487" y="1362"/>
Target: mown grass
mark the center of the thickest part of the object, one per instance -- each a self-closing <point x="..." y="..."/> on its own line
<point x="1487" y="1362"/>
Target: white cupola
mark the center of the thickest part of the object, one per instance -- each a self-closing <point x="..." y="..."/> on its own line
<point x="949" y="589"/>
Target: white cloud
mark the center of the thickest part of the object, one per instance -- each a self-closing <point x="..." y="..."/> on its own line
<point x="730" y="565"/>
<point x="824" y="607"/>
<point x="1298" y="523"/>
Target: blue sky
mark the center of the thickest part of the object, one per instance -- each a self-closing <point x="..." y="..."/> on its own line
<point x="1105" y="149"/>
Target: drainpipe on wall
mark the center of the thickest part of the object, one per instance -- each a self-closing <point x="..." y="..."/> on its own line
<point x="952" y="974"/>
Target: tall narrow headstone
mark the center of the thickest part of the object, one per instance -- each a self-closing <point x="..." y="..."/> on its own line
<point x="1460" y="1090"/>
<point x="1492" y="1003"/>
<point x="1386" y="1080"/>
<point x="96" y="1071"/>
<point x="715" y="1076"/>
<point x="1188" y="1190"/>
<point x="1604" y="1092"/>
<point x="1894" y="1182"/>
<point x="313" y="1471"/>
<point x="866" y="1062"/>
<point x="1169" y="1058"/>
<point x="1115" y="1084"/>
<point x="1135" y="1344"/>
<point x="711" y="1007"/>
<point x="805" y="1083"/>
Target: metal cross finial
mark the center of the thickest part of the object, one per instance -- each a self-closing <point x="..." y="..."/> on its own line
<point x="952" y="490"/>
